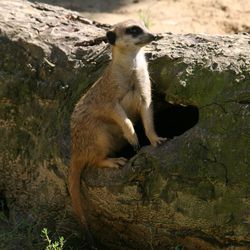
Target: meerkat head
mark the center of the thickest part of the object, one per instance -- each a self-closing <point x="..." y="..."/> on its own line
<point x="130" y="34"/>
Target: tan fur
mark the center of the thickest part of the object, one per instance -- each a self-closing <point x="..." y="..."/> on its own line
<point x="103" y="118"/>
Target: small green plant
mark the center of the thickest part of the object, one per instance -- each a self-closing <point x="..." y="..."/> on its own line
<point x="56" y="245"/>
<point x="144" y="15"/>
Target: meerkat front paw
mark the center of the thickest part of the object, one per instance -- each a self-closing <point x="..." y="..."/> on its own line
<point x="156" y="140"/>
<point x="133" y="140"/>
<point x="131" y="136"/>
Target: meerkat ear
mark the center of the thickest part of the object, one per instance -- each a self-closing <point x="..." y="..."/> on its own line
<point x="111" y="36"/>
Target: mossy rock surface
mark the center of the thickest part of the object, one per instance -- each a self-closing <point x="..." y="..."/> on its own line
<point x="193" y="191"/>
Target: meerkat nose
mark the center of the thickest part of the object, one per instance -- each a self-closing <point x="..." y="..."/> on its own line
<point x="152" y="37"/>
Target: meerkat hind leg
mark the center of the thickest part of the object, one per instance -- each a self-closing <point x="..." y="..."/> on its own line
<point x="112" y="162"/>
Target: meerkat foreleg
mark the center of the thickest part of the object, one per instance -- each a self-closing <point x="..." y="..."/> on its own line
<point x="148" y="123"/>
<point x="118" y="115"/>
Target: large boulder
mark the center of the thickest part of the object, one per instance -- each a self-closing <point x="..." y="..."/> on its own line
<point x="192" y="191"/>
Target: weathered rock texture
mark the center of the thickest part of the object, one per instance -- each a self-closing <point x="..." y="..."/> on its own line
<point x="192" y="191"/>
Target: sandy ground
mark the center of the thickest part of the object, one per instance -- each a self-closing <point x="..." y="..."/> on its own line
<point x="177" y="16"/>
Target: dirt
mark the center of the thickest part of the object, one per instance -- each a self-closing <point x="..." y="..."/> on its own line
<point x="176" y="16"/>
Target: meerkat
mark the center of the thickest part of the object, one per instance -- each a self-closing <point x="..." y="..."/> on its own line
<point x="103" y="119"/>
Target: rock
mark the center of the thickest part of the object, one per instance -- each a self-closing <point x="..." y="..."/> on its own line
<point x="192" y="191"/>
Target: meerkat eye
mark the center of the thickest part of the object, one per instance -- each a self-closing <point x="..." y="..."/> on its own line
<point x="134" y="31"/>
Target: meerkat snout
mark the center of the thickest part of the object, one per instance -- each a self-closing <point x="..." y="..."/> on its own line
<point x="147" y="38"/>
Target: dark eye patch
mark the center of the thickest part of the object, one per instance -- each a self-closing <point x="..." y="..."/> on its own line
<point x="134" y="31"/>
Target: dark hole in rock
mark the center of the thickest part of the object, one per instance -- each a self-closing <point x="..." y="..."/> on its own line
<point x="170" y="120"/>
<point x="3" y="204"/>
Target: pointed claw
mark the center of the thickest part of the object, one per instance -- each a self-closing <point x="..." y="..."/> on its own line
<point x="157" y="141"/>
<point x="121" y="161"/>
<point x="162" y="139"/>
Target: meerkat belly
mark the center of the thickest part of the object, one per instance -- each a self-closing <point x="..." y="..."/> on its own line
<point x="131" y="103"/>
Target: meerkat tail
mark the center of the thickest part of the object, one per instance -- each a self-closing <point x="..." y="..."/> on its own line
<point x="74" y="180"/>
